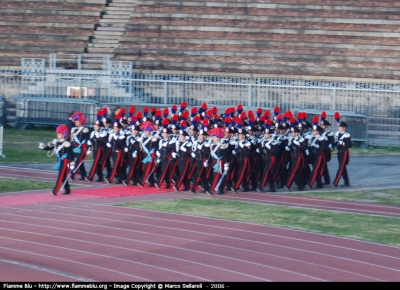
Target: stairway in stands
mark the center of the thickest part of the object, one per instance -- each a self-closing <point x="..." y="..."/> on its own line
<point x="111" y="27"/>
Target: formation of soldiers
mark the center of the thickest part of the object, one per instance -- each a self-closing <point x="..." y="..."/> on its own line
<point x="198" y="149"/>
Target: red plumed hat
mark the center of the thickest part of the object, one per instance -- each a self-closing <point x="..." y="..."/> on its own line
<point x="185" y="115"/>
<point x="165" y="113"/>
<point x="145" y="111"/>
<point x="183" y="106"/>
<point x="165" y="123"/>
<point x="132" y="111"/>
<point x="63" y="130"/>
<point x="243" y="116"/>
<point x="323" y="116"/>
<point x="267" y="114"/>
<point x="315" y="120"/>
<point x="239" y="109"/>
<point x="250" y="113"/>
<point x="259" y="112"/>
<point x="214" y="110"/>
<point x="193" y="112"/>
<point x="276" y="111"/>
<point x="174" y="108"/>
<point x="337" y="117"/>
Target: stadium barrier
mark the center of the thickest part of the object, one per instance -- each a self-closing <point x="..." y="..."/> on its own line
<point x="379" y="103"/>
<point x="47" y="111"/>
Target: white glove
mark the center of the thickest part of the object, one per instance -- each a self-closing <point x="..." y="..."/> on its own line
<point x="205" y="163"/>
<point x="158" y="153"/>
<point x="341" y="142"/>
<point x="346" y="135"/>
<point x="72" y="166"/>
<point x="108" y="145"/>
<point x="183" y="148"/>
<point x="316" y="145"/>
<point x="134" y="154"/>
<point x="193" y="155"/>
<point x="203" y="114"/>
<point x="330" y="146"/>
<point x="174" y="154"/>
<point x="126" y="149"/>
<point x="258" y="150"/>
<point x="226" y="167"/>
<point x="158" y="160"/>
<point x="307" y="152"/>
<point x="287" y="148"/>
<point x="54" y="141"/>
<point x="89" y="142"/>
<point x="88" y="152"/>
<point x="296" y="142"/>
<point x="41" y="145"/>
<point x="140" y="139"/>
<point x="233" y="152"/>
<point x="268" y="146"/>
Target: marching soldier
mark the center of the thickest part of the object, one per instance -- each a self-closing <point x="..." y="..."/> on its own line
<point x="64" y="154"/>
<point x="328" y="148"/>
<point x="343" y="143"/>
<point x="96" y="144"/>
<point x="269" y="150"/>
<point x="79" y="137"/>
<point x="201" y="154"/>
<point x="242" y="153"/>
<point x="134" y="156"/>
<point x="116" y="143"/>
<point x="148" y="145"/>
<point x="317" y="146"/>
<point x="296" y="146"/>
<point x="166" y="147"/>
<point x="183" y="151"/>
<point x="219" y="163"/>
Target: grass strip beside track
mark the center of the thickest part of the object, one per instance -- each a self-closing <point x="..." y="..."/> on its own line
<point x="382" y="230"/>
<point x="15" y="185"/>
<point x="21" y="146"/>
<point x="390" y="196"/>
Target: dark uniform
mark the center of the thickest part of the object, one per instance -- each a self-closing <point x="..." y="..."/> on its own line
<point x="343" y="143"/>
<point x="116" y="144"/>
<point x="183" y="150"/>
<point x="96" y="144"/>
<point x="79" y="137"/>
<point x="134" y="159"/>
<point x="317" y="146"/>
<point x="202" y="154"/>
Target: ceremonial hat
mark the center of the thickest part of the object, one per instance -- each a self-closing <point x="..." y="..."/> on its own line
<point x="63" y="130"/>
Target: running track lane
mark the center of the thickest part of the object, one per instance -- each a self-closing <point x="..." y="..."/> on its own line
<point x="146" y="245"/>
<point x="278" y="199"/>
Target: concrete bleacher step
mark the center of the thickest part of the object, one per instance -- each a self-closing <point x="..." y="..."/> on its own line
<point x="108" y="28"/>
<point x="114" y="20"/>
<point x="108" y="50"/>
<point x="105" y="45"/>
<point x="108" y="32"/>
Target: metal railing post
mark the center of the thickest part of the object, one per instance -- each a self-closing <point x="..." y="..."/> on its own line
<point x="334" y="100"/>
<point x="1" y="142"/>
<point x="165" y="92"/>
<point x="249" y="95"/>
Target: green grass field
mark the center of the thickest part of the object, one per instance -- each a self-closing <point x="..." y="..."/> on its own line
<point x="16" y="185"/>
<point x="383" y="230"/>
<point x="389" y="196"/>
<point x="21" y="146"/>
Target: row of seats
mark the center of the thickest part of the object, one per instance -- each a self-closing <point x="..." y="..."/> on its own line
<point x="35" y="28"/>
<point x="345" y="39"/>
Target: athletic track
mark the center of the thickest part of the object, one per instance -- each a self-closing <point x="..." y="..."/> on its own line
<point x="84" y="237"/>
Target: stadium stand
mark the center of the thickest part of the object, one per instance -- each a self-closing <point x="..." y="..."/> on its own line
<point x="296" y="38"/>
<point x="35" y="28"/>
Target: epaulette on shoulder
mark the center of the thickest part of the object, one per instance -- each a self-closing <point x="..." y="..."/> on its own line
<point x="85" y="130"/>
<point x="189" y="144"/>
<point x="206" y="144"/>
<point x="67" y="144"/>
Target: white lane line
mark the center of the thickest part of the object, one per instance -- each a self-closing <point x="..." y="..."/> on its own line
<point x="71" y="261"/>
<point x="214" y="235"/>
<point x="104" y="256"/>
<point x="236" y="249"/>
<point x="44" y="269"/>
<point x="235" y="229"/>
